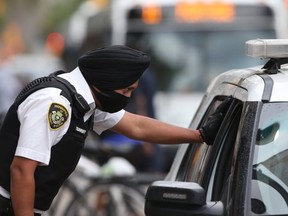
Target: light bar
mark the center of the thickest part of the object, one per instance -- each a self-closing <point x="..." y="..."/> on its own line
<point x="267" y="48"/>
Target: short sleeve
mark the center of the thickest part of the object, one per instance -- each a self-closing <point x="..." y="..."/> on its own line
<point x="104" y="120"/>
<point x="44" y="119"/>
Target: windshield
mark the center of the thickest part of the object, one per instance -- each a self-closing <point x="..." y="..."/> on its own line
<point x="270" y="174"/>
<point x="187" y="61"/>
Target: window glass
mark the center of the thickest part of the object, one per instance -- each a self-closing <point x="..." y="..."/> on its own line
<point x="269" y="194"/>
<point x="221" y="177"/>
<point x="197" y="154"/>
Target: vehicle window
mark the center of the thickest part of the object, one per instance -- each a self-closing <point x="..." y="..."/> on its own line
<point x="192" y="165"/>
<point x="269" y="194"/>
<point x="221" y="177"/>
<point x="199" y="162"/>
<point x="211" y="166"/>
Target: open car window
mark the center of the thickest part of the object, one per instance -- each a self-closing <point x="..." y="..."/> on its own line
<point x="211" y="166"/>
<point x="192" y="163"/>
<point x="221" y="177"/>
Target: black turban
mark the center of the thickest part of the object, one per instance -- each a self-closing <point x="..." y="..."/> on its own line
<point x="113" y="67"/>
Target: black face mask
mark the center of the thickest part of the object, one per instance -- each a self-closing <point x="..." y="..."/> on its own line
<point x="110" y="100"/>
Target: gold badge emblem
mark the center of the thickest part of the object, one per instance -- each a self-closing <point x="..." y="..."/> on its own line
<point x="57" y="116"/>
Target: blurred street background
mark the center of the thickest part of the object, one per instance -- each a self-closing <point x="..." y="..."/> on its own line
<point x="190" y="42"/>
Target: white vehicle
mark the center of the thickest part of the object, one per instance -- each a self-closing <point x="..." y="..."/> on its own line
<point x="191" y="42"/>
<point x="244" y="172"/>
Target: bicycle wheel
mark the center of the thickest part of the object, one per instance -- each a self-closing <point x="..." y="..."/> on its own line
<point x="63" y="198"/>
<point x="109" y="197"/>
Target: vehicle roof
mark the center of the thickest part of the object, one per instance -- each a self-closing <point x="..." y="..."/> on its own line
<point x="252" y="82"/>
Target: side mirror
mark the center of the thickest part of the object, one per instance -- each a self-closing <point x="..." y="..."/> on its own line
<point x="268" y="134"/>
<point x="168" y="198"/>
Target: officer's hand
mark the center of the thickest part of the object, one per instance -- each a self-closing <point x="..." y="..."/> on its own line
<point x="209" y="130"/>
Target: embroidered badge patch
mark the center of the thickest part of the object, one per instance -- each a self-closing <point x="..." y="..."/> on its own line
<point x="57" y="115"/>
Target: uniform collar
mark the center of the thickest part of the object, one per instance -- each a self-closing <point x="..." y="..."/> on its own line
<point x="76" y="78"/>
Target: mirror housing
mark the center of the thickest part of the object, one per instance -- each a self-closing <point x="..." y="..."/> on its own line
<point x="168" y="198"/>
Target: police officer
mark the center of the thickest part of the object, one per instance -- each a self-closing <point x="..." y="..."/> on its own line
<point x="44" y="130"/>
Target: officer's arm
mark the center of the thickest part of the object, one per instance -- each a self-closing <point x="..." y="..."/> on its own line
<point x="23" y="185"/>
<point x="151" y="130"/>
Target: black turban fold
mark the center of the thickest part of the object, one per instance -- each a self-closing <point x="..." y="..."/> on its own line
<point x="113" y="67"/>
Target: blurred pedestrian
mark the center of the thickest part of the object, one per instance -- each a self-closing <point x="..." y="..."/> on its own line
<point x="147" y="157"/>
<point x="10" y="86"/>
<point x="45" y="129"/>
<point x="144" y="156"/>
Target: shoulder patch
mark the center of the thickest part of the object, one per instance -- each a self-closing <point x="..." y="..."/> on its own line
<point x="57" y="116"/>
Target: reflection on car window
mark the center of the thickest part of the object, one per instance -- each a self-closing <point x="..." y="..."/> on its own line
<point x="270" y="173"/>
<point x="197" y="154"/>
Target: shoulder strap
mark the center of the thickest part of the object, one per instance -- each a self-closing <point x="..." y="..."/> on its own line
<point x="30" y="86"/>
<point x="52" y="80"/>
<point x="80" y="103"/>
